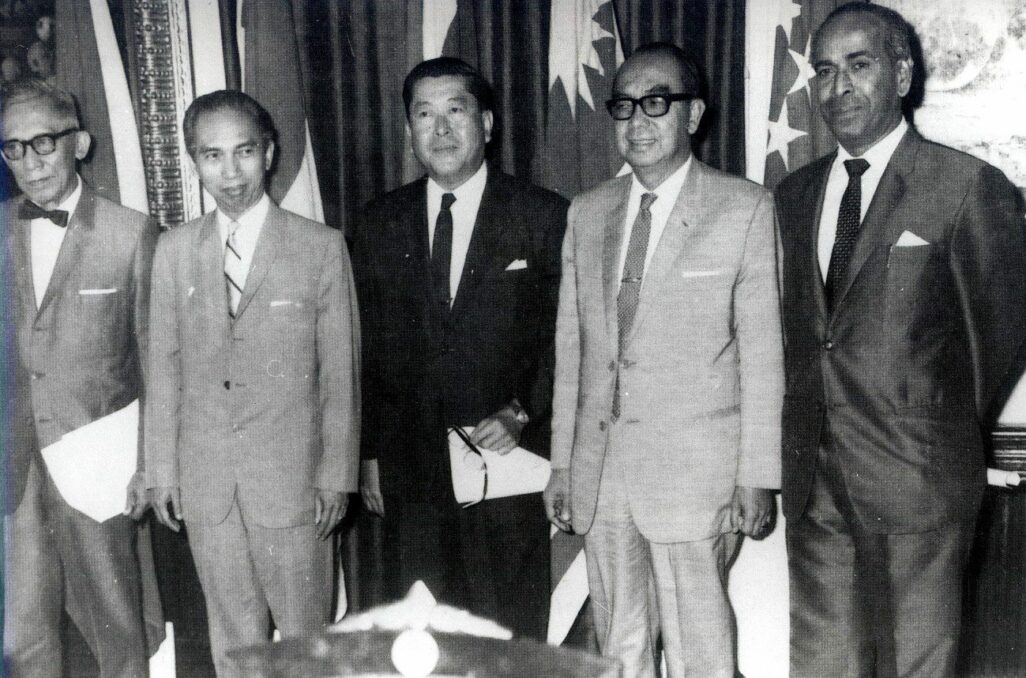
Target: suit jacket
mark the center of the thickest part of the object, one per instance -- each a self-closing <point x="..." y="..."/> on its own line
<point x="701" y="375"/>
<point x="426" y="369"/>
<point x="904" y="374"/>
<point x="265" y="408"/>
<point x="79" y="354"/>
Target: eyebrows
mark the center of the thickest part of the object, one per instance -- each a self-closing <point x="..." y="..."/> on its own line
<point x="216" y="147"/>
<point x="654" y="89"/>
<point x="821" y="60"/>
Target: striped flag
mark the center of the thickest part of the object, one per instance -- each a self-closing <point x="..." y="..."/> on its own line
<point x="579" y="150"/>
<point x="783" y="129"/>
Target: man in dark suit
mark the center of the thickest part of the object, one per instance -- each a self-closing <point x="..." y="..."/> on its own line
<point x="458" y="276"/>
<point x="253" y="387"/>
<point x="77" y="272"/>
<point x="904" y="273"/>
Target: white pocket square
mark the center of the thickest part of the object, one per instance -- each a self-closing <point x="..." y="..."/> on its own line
<point x="698" y="274"/>
<point x="105" y="290"/>
<point x="286" y="302"/>
<point x="517" y="265"/>
<point x="910" y="239"/>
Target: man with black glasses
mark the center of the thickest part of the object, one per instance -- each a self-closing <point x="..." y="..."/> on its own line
<point x="669" y="379"/>
<point x="76" y="271"/>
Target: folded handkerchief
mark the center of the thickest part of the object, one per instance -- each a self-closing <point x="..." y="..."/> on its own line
<point x="517" y="265"/>
<point x="910" y="239"/>
<point x="106" y="290"/>
<point x="698" y="274"/>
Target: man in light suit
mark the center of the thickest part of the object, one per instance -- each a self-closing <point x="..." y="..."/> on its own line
<point x="253" y="393"/>
<point x="458" y="275"/>
<point x="904" y="269"/>
<point x="669" y="378"/>
<point x="76" y="281"/>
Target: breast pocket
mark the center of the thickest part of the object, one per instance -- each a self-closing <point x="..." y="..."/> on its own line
<point x="99" y="319"/>
<point x="916" y="278"/>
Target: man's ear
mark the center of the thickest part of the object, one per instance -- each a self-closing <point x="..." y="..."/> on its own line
<point x="696" y="107"/>
<point x="487" y="121"/>
<point x="904" y="69"/>
<point x="82" y="143"/>
<point x="268" y="155"/>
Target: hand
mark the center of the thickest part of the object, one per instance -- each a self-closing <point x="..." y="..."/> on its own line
<point x="499" y="432"/>
<point x="752" y="510"/>
<point x="370" y="487"/>
<point x="329" y="508"/>
<point x="136" y="502"/>
<point x="557" y="499"/>
<point x="160" y="497"/>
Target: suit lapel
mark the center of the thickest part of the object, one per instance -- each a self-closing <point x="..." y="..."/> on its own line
<point x="413" y="226"/>
<point x="616" y="212"/>
<point x="488" y="229"/>
<point x="80" y="230"/>
<point x="264" y="255"/>
<point x="888" y="193"/>
<point x="21" y="260"/>
<point x="687" y="216"/>
<point x="808" y="215"/>
<point x="210" y="268"/>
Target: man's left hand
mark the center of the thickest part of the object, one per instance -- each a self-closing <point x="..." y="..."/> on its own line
<point x="137" y="501"/>
<point x="329" y="509"/>
<point x="752" y="510"/>
<point x="499" y="432"/>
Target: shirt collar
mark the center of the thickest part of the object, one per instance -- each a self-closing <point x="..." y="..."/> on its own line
<point x="472" y="187"/>
<point x="880" y="153"/>
<point x="252" y="218"/>
<point x="666" y="192"/>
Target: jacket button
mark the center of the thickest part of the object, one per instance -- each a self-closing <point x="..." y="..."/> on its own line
<point x="828" y="344"/>
<point x="227" y="385"/>
<point x="602" y="426"/>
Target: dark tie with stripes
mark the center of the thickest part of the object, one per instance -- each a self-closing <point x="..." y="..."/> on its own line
<point x="630" y="283"/>
<point x="848" y="219"/>
<point x="234" y="271"/>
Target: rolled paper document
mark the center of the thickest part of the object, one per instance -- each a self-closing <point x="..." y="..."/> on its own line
<point x="999" y="478"/>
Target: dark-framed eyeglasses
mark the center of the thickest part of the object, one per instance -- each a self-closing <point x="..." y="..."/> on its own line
<point x="43" y="144"/>
<point x="654" y="105"/>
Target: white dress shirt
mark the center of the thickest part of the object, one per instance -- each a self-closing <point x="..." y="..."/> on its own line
<point x="464" y="215"/>
<point x="666" y="197"/>
<point x="251" y="223"/>
<point x="878" y="156"/>
<point x="46" y="240"/>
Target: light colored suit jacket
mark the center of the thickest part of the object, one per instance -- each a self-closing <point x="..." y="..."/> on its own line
<point x="79" y="354"/>
<point x="701" y="376"/>
<point x="265" y="408"/>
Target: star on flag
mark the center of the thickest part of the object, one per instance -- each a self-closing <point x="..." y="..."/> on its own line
<point x="568" y="59"/>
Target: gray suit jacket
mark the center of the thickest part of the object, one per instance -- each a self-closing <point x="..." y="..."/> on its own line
<point x="266" y="406"/>
<point x="701" y="377"/>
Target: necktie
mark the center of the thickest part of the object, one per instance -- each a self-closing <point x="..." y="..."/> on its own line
<point x="441" y="251"/>
<point x="234" y="271"/>
<point x="30" y="210"/>
<point x="848" y="219"/>
<point x="630" y="284"/>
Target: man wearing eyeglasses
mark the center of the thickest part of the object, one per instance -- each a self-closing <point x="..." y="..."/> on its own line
<point x="669" y="379"/>
<point x="904" y="308"/>
<point x="76" y="270"/>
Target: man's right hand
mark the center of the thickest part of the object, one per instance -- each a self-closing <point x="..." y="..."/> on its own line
<point x="557" y="499"/>
<point x="370" y="487"/>
<point x="160" y="497"/>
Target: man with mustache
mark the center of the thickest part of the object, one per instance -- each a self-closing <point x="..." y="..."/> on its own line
<point x="904" y="297"/>
<point x="457" y="276"/>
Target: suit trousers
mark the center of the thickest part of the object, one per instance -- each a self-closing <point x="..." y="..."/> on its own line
<point x="871" y="604"/>
<point x="643" y="591"/>
<point x="57" y="557"/>
<point x="491" y="558"/>
<point x="251" y="573"/>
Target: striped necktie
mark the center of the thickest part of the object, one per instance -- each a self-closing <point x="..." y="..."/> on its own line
<point x="630" y="283"/>
<point x="234" y="270"/>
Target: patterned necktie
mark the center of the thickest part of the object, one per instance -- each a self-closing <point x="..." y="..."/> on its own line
<point x="630" y="284"/>
<point x="441" y="251"/>
<point x="848" y="219"/>
<point x="234" y="271"/>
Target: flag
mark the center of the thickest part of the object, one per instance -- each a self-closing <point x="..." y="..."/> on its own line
<point x="271" y="74"/>
<point x="88" y="64"/>
<point x="579" y="150"/>
<point x="784" y="130"/>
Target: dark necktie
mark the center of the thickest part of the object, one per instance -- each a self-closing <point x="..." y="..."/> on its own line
<point x="848" y="219"/>
<point x="441" y="251"/>
<point x="30" y="210"/>
<point x="630" y="283"/>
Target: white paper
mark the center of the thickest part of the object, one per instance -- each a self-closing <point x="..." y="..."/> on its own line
<point x="999" y="478"/>
<point x="518" y="472"/>
<point x="92" y="465"/>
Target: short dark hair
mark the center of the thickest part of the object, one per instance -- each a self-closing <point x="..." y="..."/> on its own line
<point x="226" y="100"/>
<point x="478" y="87"/>
<point x="690" y="76"/>
<point x="62" y="102"/>
<point x="897" y="33"/>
